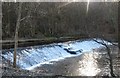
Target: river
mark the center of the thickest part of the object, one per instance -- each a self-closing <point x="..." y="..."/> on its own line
<point x="72" y="58"/>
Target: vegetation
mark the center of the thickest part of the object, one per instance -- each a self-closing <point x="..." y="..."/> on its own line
<point x="39" y="20"/>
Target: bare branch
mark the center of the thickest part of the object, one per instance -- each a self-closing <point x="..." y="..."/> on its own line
<point x="100" y="42"/>
<point x="24" y="18"/>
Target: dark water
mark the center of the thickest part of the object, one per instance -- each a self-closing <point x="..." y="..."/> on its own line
<point x="87" y="64"/>
<point x="83" y="65"/>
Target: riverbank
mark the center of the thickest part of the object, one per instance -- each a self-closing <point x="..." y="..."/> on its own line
<point x="7" y="44"/>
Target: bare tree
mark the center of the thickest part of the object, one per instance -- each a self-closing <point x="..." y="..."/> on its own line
<point x="16" y="34"/>
<point x="109" y="55"/>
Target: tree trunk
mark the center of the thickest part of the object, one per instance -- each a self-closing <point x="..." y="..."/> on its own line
<point x="16" y="34"/>
<point x="110" y="60"/>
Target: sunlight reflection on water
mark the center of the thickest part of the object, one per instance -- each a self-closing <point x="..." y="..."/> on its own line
<point x="88" y="66"/>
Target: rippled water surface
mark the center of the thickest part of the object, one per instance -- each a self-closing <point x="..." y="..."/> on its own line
<point x="89" y="65"/>
<point x="56" y="59"/>
<point x="83" y="65"/>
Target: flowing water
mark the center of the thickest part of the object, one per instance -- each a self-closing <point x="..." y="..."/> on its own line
<point x="82" y="65"/>
<point x="58" y="58"/>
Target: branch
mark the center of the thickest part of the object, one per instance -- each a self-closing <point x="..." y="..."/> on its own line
<point x="24" y="18"/>
<point x="105" y="43"/>
<point x="112" y="43"/>
<point x="64" y="4"/>
<point x="100" y="42"/>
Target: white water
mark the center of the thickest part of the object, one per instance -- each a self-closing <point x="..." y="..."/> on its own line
<point x="31" y="57"/>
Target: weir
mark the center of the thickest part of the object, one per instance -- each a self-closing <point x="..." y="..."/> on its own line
<point x="31" y="57"/>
